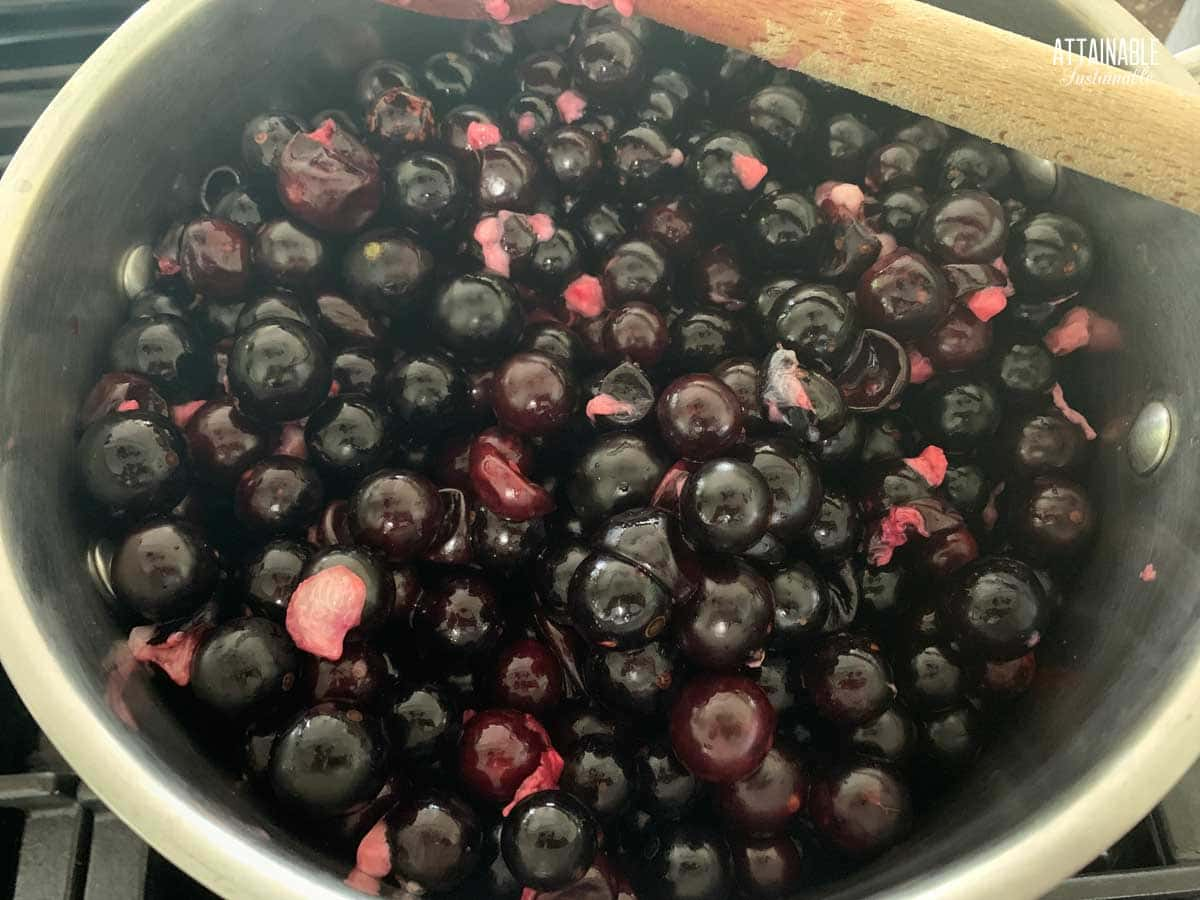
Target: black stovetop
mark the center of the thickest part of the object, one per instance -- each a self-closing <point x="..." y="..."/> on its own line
<point x="57" y="840"/>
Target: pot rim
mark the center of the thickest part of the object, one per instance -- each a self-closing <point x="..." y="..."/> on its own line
<point x="171" y="815"/>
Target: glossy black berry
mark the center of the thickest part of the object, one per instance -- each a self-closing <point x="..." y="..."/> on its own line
<point x="891" y="738"/>
<point x="725" y="506"/>
<point x="974" y="164"/>
<point x="782" y="118"/>
<point x="165" y="570"/>
<point x="245" y="667"/>
<point x="450" y="78"/>
<point x="328" y="760"/>
<point x="263" y="140"/>
<point x="279" y="495"/>
<point x="726" y="170"/>
<point x="616" y="604"/>
<point x="1050" y="255"/>
<point x="848" y="140"/>
<point x="507" y="178"/>
<point x="134" y="463"/>
<point x="166" y="350"/>
<point x="619" y="471"/>
<point x="996" y="608"/>
<point x="380" y="76"/>
<point x="835" y="532"/>
<point x="279" y="304"/>
<point x="289" y="256"/>
<point x="848" y="681"/>
<point x="666" y="788"/>
<point x="423" y="721"/>
<point x="644" y="159"/>
<point x="966" y="226"/>
<point x="801" y="605"/>
<point x="549" y="840"/>
<point x="600" y="774"/>
<point x="434" y="840"/>
<point x="279" y="370"/>
<point x="608" y="62"/>
<point x="728" y="621"/>
<point x="689" y="861"/>
<point x="959" y="412"/>
<point x="819" y="322"/>
<point x="637" y="271"/>
<point x="477" y="317"/>
<point x="271" y="574"/>
<point x="426" y="393"/>
<point x="427" y="193"/>
<point x="573" y="158"/>
<point x="786" y="229"/>
<point x="388" y="272"/>
<point x="638" y="682"/>
<point x="1053" y="518"/>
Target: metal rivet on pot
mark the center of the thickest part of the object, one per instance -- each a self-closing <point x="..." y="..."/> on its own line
<point x="137" y="270"/>
<point x="1150" y="437"/>
<point x="99" y="563"/>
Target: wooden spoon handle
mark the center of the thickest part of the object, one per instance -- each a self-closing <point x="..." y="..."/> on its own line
<point x="1140" y="134"/>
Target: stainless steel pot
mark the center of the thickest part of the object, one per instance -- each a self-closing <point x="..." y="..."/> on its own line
<point x="118" y="154"/>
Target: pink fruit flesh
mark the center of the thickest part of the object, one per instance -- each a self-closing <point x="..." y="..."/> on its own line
<point x="548" y="771"/>
<point x="543" y="778"/>
<point x="374" y="856"/>
<point x="323" y="134"/>
<point x="606" y="405"/>
<point x="887" y="244"/>
<point x="749" y="169"/>
<point x="840" y="200"/>
<point x="542" y="225"/>
<point x="1081" y="327"/>
<point x="358" y="879"/>
<point x="128" y="406"/>
<point x="504" y="490"/>
<point x="482" y="134"/>
<point x="624" y="7"/>
<point x="987" y="303"/>
<point x="585" y="296"/>
<point x="173" y="656"/>
<point x="784" y="386"/>
<point x="1148" y="573"/>
<point x="1073" y="416"/>
<point x="323" y="608"/>
<point x="930" y="464"/>
<point x="570" y="106"/>
<point x="666" y="495"/>
<point x="487" y="234"/>
<point x="675" y="158"/>
<point x="893" y="532"/>
<point x="920" y="368"/>
<point x="1002" y="267"/>
<point x="1070" y="334"/>
<point x="526" y="124"/>
<point x="497" y="9"/>
<point x="182" y="414"/>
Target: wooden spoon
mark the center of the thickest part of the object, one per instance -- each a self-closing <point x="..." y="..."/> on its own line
<point x="1097" y="119"/>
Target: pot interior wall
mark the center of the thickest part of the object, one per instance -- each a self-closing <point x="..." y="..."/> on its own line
<point x="152" y="134"/>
